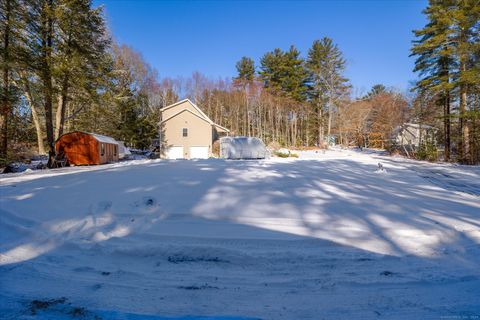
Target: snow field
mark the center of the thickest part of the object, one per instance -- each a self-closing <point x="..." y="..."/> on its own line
<point x="327" y="235"/>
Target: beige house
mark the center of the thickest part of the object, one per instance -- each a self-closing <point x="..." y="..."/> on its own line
<point x="186" y="132"/>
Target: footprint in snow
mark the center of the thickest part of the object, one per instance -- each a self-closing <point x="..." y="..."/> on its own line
<point x="149" y="202"/>
<point x="84" y="269"/>
<point x="146" y="202"/>
<point x="97" y="286"/>
<point x="101" y="207"/>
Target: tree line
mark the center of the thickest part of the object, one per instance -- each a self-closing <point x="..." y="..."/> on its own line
<point x="61" y="71"/>
<point x="447" y="52"/>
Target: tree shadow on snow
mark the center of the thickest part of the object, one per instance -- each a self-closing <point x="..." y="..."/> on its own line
<point x="174" y="228"/>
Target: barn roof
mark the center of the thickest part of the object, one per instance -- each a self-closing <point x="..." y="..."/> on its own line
<point x="98" y="137"/>
<point x="102" y="138"/>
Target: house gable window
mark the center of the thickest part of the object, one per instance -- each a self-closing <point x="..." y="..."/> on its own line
<point x="185" y="132"/>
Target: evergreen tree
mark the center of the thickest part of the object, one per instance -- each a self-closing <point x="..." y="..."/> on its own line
<point x="295" y="81"/>
<point x="65" y="59"/>
<point x="375" y="91"/>
<point x="326" y="65"/>
<point x="10" y="29"/>
<point x="272" y="70"/>
<point x="246" y="71"/>
<point x="466" y="29"/>
<point x="80" y="62"/>
<point x="284" y="73"/>
<point x="446" y="63"/>
<point x="435" y="62"/>
<point x="129" y="114"/>
<point x="244" y="80"/>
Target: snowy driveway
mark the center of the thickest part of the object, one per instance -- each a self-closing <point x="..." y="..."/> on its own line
<point x="323" y="236"/>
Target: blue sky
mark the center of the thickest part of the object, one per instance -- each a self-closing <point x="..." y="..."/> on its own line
<point x="180" y="37"/>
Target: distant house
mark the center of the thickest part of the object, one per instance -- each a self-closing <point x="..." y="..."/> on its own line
<point x="413" y="134"/>
<point x="186" y="132"/>
<point x="82" y="148"/>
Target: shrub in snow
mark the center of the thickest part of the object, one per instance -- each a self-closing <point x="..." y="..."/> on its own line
<point x="216" y="149"/>
<point x="283" y="152"/>
<point x="21" y="167"/>
<point x="427" y="151"/>
<point x="281" y="155"/>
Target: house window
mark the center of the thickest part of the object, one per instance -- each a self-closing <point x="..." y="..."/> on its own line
<point x="185" y="132"/>
<point x="102" y="148"/>
<point x="114" y="151"/>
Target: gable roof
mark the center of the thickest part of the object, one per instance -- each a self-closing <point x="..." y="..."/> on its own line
<point x="202" y="115"/>
<point x="98" y="137"/>
<point x="192" y="104"/>
<point x="186" y="110"/>
<point x="104" y="139"/>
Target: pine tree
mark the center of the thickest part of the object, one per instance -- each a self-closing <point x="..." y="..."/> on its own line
<point x="326" y="66"/>
<point x="46" y="47"/>
<point x="10" y="52"/>
<point x="7" y="19"/>
<point x="128" y="112"/>
<point x="81" y="47"/>
<point x="272" y="70"/>
<point x="245" y="71"/>
<point x="444" y="60"/>
<point x="295" y="81"/>
<point x="65" y="60"/>
<point x="465" y="28"/>
<point x="435" y="62"/>
<point x="284" y="73"/>
<point x="375" y="91"/>
<point x="244" y="80"/>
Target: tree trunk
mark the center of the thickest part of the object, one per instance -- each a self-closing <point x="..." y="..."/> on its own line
<point x="307" y="142"/>
<point x="247" y="116"/>
<point x="329" y="125"/>
<point x="446" y="126"/>
<point x="47" y="47"/>
<point x="465" y="142"/>
<point x="464" y="132"/>
<point x="320" y="125"/>
<point x="35" y="116"/>
<point x="62" y="106"/>
<point x="5" y="114"/>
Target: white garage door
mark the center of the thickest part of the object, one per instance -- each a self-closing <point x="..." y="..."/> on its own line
<point x="174" y="153"/>
<point x="199" y="152"/>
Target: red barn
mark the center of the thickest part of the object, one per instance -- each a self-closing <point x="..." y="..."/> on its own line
<point x="82" y="148"/>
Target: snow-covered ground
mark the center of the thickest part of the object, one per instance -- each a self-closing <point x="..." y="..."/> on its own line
<point x="325" y="236"/>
